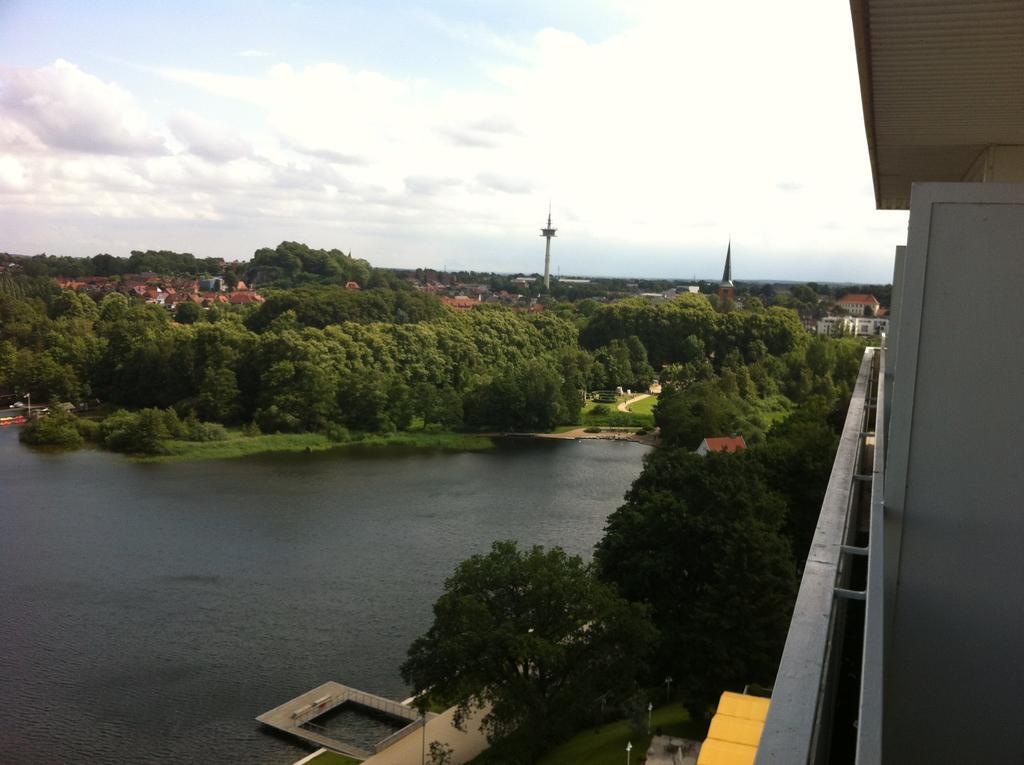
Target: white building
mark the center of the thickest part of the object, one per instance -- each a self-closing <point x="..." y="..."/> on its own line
<point x="907" y="639"/>
<point x="867" y="326"/>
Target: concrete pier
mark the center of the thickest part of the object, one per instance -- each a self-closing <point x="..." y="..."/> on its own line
<point x="292" y="716"/>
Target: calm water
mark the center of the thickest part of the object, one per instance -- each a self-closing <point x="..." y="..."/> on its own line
<point x="150" y="612"/>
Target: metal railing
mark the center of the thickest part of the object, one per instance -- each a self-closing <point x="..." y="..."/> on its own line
<point x="799" y="724"/>
<point x="869" y="718"/>
<point x="399" y="734"/>
<point x="388" y="707"/>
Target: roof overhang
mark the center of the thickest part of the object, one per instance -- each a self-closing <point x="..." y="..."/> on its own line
<point x="942" y="85"/>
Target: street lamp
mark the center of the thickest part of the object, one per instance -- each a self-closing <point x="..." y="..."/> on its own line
<point x="422" y="704"/>
<point x="650" y="706"/>
<point x="28" y="396"/>
<point x="668" y="687"/>
<point x="629" y="748"/>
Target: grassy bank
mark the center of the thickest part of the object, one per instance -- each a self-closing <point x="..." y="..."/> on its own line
<point x="640" y="415"/>
<point x="332" y="758"/>
<point x="240" y="445"/>
<point x="644" y="407"/>
<point x="607" y="745"/>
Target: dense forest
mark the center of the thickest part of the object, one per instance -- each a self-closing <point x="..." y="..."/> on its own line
<point x="318" y="356"/>
<point x="697" y="571"/>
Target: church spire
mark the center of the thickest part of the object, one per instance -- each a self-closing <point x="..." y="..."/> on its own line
<point x="727" y="274"/>
<point x="727" y="290"/>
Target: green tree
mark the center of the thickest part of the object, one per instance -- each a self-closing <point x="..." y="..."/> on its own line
<point x="218" y="395"/>
<point x="703" y="409"/>
<point x="533" y="635"/>
<point x="56" y="429"/>
<point x="141" y="432"/>
<point x="187" y="313"/>
<point x="700" y="540"/>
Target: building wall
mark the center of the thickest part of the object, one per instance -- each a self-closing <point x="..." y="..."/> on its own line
<point x="954" y="662"/>
<point x="852" y="325"/>
<point x="466" y="744"/>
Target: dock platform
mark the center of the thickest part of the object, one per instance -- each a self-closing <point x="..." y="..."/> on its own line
<point x="293" y="716"/>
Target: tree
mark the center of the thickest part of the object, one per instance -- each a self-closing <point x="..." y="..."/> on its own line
<point x="700" y="541"/>
<point x="57" y="429"/>
<point x="187" y="313"/>
<point x="703" y="409"/>
<point x="141" y="432"/>
<point x="532" y="636"/>
<point x="218" y="395"/>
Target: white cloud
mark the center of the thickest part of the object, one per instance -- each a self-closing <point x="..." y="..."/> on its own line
<point x="66" y="108"/>
<point x="504" y="184"/>
<point x="668" y="137"/>
<point x="12" y="174"/>
<point x="209" y="139"/>
<point x="430" y="185"/>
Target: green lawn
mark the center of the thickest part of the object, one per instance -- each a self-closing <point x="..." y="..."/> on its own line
<point x="607" y="746"/>
<point x="239" y="445"/>
<point x="333" y="758"/>
<point x="637" y="417"/>
<point x="644" y="406"/>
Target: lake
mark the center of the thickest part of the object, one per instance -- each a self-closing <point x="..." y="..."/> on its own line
<point x="151" y="611"/>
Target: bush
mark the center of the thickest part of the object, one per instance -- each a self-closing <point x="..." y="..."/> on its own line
<point x="433" y="427"/>
<point x="600" y="410"/>
<point x="88" y="429"/>
<point x="273" y="420"/>
<point x="624" y="420"/>
<point x="337" y="433"/>
<point x="141" y="432"/>
<point x="204" y="431"/>
<point x="57" y="429"/>
<point x="591" y="430"/>
<point x="251" y="429"/>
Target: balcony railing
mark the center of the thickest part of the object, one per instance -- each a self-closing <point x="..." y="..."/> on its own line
<point x="826" y="703"/>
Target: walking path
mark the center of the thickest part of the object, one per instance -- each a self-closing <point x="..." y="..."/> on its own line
<point x="624" y="406"/>
<point x="669" y="750"/>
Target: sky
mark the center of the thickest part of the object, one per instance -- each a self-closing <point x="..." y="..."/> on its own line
<point x="437" y="134"/>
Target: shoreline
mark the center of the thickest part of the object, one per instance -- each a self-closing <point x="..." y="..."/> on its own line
<point x="246" y="446"/>
<point x="580" y="433"/>
<point x="238" y="445"/>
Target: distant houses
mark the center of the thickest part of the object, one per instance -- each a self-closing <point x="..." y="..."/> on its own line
<point x="460" y="302"/>
<point x="167" y="291"/>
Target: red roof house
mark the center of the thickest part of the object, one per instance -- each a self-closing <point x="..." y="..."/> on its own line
<point x="721" y="444"/>
<point x="858" y="305"/>
<point x="460" y="303"/>
<point x="244" y="297"/>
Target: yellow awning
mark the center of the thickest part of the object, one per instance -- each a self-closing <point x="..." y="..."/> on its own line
<point x="715" y="752"/>
<point x="741" y="705"/>
<point x="735" y="730"/>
